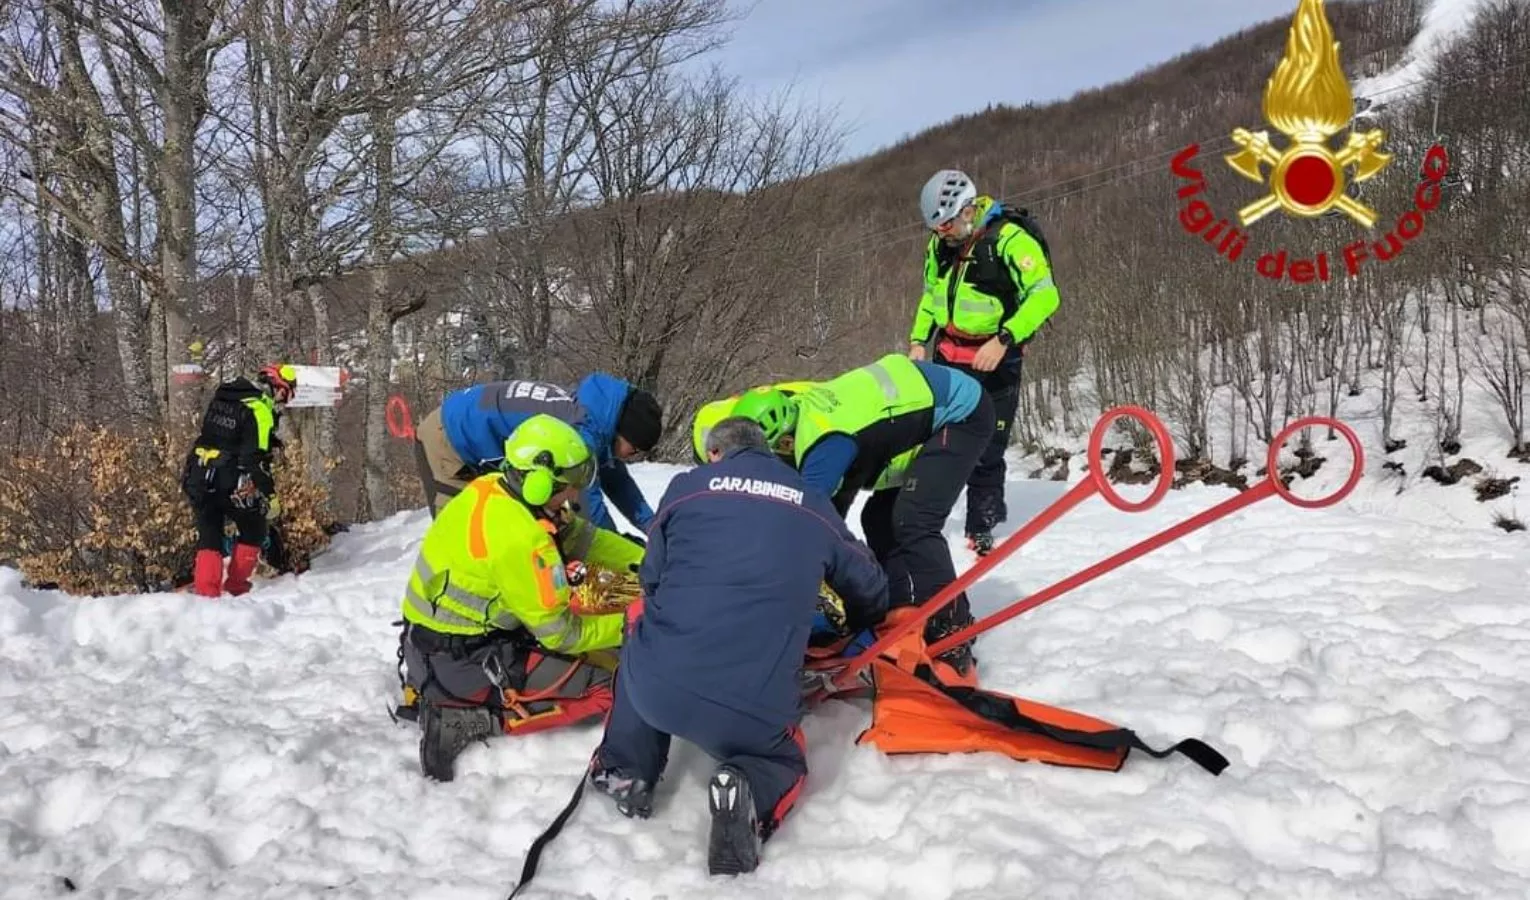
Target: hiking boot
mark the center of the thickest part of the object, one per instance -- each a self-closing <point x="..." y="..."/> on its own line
<point x="446" y="731"/>
<point x="960" y="659"/>
<point x="633" y="796"/>
<point x="980" y="542"/>
<point x="733" y="847"/>
<point x="947" y="622"/>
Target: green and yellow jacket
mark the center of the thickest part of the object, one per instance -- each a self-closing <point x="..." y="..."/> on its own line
<point x="998" y="280"/>
<point x="491" y="562"/>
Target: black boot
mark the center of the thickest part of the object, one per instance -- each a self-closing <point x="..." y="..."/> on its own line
<point x="733" y="847"/>
<point x="955" y="616"/>
<point x="633" y="796"/>
<point x="446" y="731"/>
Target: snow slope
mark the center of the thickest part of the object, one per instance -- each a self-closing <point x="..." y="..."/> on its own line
<point x="1364" y="673"/>
<point x="1442" y="22"/>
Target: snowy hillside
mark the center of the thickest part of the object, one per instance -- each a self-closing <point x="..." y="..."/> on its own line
<point x="1442" y="22"/>
<point x="1364" y="673"/>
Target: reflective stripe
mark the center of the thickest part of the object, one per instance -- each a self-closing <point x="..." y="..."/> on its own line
<point x="564" y="631"/>
<point x="884" y="381"/>
<point x="978" y="305"/>
<point x="478" y="541"/>
<point x="455" y="607"/>
<point x="1040" y="285"/>
<point x="442" y="616"/>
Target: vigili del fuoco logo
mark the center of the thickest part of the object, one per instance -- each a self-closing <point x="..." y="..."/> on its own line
<point x="1308" y="100"/>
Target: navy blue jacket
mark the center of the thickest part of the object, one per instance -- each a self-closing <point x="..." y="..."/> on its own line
<point x="730" y="583"/>
<point x="478" y="419"/>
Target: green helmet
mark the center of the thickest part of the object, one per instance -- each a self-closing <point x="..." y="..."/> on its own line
<point x="772" y="409"/>
<point x="543" y="454"/>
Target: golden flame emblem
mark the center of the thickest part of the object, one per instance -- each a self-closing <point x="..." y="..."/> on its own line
<point x="1308" y="100"/>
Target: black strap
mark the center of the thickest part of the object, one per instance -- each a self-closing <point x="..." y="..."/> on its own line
<point x="428" y="481"/>
<point x="534" y="852"/>
<point x="1003" y="711"/>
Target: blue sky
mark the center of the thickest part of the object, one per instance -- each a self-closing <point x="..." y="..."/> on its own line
<point x="893" y="68"/>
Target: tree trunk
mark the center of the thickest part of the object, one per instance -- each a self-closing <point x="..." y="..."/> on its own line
<point x="321" y="446"/>
<point x="177" y="185"/>
<point x="377" y="499"/>
<point x="102" y="204"/>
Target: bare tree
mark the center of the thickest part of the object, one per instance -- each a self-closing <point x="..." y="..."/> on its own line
<point x="680" y="264"/>
<point x="56" y="111"/>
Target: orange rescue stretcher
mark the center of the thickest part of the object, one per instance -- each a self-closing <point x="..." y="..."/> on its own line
<point x="919" y="706"/>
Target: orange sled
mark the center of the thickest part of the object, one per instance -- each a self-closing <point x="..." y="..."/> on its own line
<point x="920" y="707"/>
<point x="915" y="713"/>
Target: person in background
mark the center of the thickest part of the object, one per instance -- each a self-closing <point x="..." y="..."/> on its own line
<point x="227" y="476"/>
<point x="987" y="290"/>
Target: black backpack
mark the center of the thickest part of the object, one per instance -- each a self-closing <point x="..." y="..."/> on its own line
<point x="1022" y="217"/>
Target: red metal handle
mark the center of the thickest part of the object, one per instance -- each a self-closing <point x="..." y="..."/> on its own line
<point x="399" y="419"/>
<point x="1272" y="485"/>
<point x="1096" y="482"/>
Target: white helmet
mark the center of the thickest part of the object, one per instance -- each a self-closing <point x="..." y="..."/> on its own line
<point x="944" y="195"/>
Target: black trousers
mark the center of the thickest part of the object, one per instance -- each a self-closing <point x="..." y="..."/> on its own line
<point x="985" y="489"/>
<point x="903" y="526"/>
<point x="214" y="511"/>
<point x="466" y="671"/>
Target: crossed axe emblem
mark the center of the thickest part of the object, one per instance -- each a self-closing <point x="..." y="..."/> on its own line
<point x="1361" y="151"/>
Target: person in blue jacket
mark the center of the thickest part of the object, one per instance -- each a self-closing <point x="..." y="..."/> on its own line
<point x="465" y="437"/>
<point x="730" y="580"/>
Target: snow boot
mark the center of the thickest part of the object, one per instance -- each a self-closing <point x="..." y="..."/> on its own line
<point x="446" y="731"/>
<point x="633" y="796"/>
<point x="733" y="846"/>
<point x="207" y="574"/>
<point x="240" y="568"/>
<point x="959" y="659"/>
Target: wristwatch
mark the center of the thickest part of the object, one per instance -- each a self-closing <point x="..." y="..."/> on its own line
<point x="1006" y="337"/>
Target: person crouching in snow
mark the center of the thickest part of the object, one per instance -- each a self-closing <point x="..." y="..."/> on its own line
<point x="510" y="598"/>
<point x="736" y="554"/>
<point x="227" y="476"/>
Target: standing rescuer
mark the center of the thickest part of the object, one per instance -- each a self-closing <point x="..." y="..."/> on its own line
<point x="987" y="289"/>
<point x="227" y="476"/>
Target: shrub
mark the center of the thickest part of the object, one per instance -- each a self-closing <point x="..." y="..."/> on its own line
<point x="100" y="511"/>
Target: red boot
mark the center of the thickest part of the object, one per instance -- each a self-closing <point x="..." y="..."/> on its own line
<point x="207" y="575"/>
<point x="241" y="567"/>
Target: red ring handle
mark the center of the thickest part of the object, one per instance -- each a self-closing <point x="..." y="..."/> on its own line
<point x="1272" y="462"/>
<point x="1165" y="458"/>
<point x="398" y="418"/>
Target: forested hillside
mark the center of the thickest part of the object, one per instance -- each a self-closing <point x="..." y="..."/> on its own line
<point x="530" y="189"/>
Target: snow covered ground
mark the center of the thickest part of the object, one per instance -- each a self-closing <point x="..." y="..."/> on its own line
<point x="1442" y="22"/>
<point x="1364" y="672"/>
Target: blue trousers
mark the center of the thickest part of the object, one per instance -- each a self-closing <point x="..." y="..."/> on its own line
<point x="645" y="716"/>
